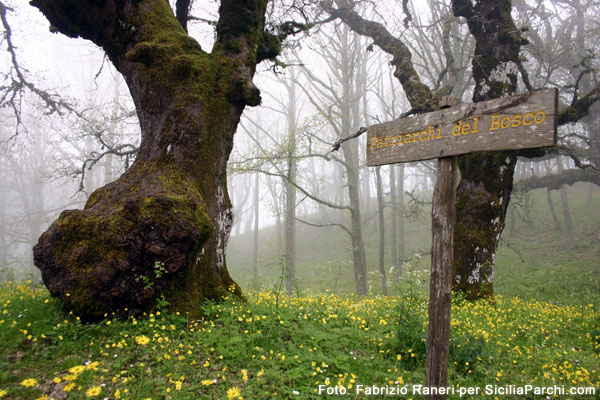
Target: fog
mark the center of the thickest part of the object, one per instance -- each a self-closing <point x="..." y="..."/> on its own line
<point x="56" y="150"/>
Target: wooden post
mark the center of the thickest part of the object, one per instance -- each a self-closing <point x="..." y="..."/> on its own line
<point x="509" y="123"/>
<point x="442" y="249"/>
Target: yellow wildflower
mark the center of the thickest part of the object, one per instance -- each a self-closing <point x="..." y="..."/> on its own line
<point x="77" y="369"/>
<point x="69" y="387"/>
<point x="143" y="340"/>
<point x="234" y="393"/>
<point x="93" y="391"/>
<point x="30" y="382"/>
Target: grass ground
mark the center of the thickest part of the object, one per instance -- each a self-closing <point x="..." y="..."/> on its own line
<point x="283" y="348"/>
<point x="542" y="329"/>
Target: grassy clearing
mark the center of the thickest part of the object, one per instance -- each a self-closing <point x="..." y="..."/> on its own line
<point x="543" y="328"/>
<point x="277" y="347"/>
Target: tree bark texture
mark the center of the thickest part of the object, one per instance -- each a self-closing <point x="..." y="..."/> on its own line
<point x="442" y="224"/>
<point x="486" y="182"/>
<point x="172" y="205"/>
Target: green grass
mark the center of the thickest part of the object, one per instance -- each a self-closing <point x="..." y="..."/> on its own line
<point x="536" y="263"/>
<point x="543" y="328"/>
<point x="277" y="347"/>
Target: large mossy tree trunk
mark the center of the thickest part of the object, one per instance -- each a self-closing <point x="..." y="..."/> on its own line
<point x="162" y="227"/>
<point x="484" y="190"/>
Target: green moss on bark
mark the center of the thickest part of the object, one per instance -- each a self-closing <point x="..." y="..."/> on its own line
<point x="93" y="257"/>
<point x="172" y="205"/>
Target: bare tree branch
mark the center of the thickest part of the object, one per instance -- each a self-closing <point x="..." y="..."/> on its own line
<point x="418" y="94"/>
<point x="325" y="225"/>
<point x="338" y="143"/>
<point x="579" y="108"/>
<point x="15" y="84"/>
<point x="555" y="181"/>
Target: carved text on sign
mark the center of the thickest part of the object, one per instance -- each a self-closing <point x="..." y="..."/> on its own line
<point x="510" y="123"/>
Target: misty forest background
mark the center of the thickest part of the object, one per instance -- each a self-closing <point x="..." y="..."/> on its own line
<point x="302" y="216"/>
<point x="56" y="150"/>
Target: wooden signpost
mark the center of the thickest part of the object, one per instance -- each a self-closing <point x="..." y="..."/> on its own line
<point x="510" y="123"/>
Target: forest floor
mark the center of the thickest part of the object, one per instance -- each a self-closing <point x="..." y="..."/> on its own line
<point x="542" y="330"/>
<point x="274" y="347"/>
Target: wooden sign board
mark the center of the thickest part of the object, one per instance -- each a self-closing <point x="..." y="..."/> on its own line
<point x="509" y="123"/>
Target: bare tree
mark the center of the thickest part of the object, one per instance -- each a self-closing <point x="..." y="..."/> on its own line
<point x="337" y="97"/>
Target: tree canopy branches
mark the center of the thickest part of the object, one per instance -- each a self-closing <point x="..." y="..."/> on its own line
<point x="15" y="82"/>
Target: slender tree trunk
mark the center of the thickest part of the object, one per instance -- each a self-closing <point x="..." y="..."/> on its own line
<point x="366" y="191"/>
<point x="290" y="193"/>
<point x="567" y="217"/>
<point x="3" y="241"/>
<point x="394" y="223"/>
<point x="255" y="233"/>
<point x="380" y="211"/>
<point x="552" y="211"/>
<point x="401" y="244"/>
<point x="564" y="199"/>
<point x="549" y="200"/>
<point x="512" y="223"/>
<point x="167" y="218"/>
<point x="349" y="117"/>
<point x="358" y="246"/>
<point x="110" y="135"/>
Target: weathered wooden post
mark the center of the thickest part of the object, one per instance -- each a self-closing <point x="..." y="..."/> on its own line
<point x="443" y="218"/>
<point x="509" y="123"/>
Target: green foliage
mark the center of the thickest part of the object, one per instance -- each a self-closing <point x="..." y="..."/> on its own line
<point x="159" y="271"/>
<point x="411" y="333"/>
<point x="469" y="353"/>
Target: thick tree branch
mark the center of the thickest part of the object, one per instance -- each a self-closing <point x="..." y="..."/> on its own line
<point x="555" y="181"/>
<point x="580" y="108"/>
<point x="418" y="94"/>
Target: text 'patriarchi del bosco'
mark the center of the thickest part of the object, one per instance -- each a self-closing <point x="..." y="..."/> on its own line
<point x="516" y="122"/>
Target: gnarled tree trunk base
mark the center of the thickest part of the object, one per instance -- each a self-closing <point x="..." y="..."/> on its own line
<point x="137" y="239"/>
